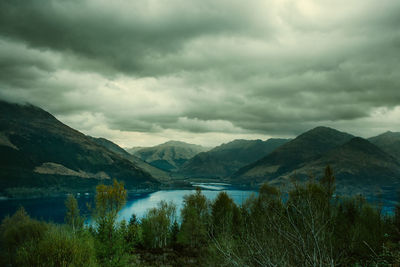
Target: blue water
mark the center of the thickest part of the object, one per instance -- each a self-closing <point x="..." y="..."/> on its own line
<point x="53" y="209"/>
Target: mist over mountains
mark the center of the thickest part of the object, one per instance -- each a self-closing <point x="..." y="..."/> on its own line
<point x="38" y="153"/>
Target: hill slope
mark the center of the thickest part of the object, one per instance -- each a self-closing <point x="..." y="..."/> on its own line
<point x="170" y="155"/>
<point x="155" y="172"/>
<point x="359" y="166"/>
<point x="388" y="142"/>
<point x="225" y="159"/>
<point x="292" y="155"/>
<point x="37" y="150"/>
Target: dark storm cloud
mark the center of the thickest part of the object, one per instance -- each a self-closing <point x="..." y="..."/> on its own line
<point x="124" y="35"/>
<point x="253" y="67"/>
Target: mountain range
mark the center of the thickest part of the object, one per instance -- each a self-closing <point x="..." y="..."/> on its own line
<point x="226" y="159"/>
<point x="41" y="155"/>
<point x="359" y="165"/>
<point x="169" y="156"/>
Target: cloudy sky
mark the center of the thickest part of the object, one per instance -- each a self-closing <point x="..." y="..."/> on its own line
<point x="141" y="72"/>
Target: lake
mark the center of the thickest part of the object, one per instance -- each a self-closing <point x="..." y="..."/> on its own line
<point x="53" y="209"/>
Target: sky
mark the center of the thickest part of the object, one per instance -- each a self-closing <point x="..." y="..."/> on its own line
<point x="144" y="72"/>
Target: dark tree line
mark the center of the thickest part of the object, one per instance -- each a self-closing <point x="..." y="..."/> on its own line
<point x="309" y="226"/>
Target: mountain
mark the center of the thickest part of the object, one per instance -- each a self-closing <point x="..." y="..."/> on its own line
<point x="388" y="142"/>
<point x="303" y="149"/>
<point x="155" y="172"/>
<point x="38" y="152"/>
<point x="133" y="150"/>
<point x="170" y="155"/>
<point x="358" y="165"/>
<point x="226" y="159"/>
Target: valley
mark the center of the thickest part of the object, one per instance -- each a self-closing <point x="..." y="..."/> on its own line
<point x="41" y="156"/>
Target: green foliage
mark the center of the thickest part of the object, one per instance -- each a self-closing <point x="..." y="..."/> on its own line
<point x="222" y="214"/>
<point x="109" y="200"/>
<point x="28" y="242"/>
<point x="359" y="231"/>
<point x="72" y="217"/>
<point x="109" y="235"/>
<point x="195" y="220"/>
<point x="328" y="182"/>
<point x="157" y="225"/>
<point x="58" y="247"/>
<point x="396" y="221"/>
<point x="174" y="234"/>
<point x="133" y="233"/>
<point x="308" y="228"/>
<point x="17" y="230"/>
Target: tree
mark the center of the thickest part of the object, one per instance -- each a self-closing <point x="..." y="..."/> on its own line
<point x="174" y="234"/>
<point x="195" y="219"/>
<point x="17" y="230"/>
<point x="132" y="237"/>
<point x="109" y="200"/>
<point x="157" y="225"/>
<point x="111" y="247"/>
<point x="72" y="217"/>
<point x="328" y="181"/>
<point x="222" y="214"/>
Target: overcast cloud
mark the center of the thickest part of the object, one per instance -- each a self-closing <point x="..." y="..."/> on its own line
<point x="145" y="71"/>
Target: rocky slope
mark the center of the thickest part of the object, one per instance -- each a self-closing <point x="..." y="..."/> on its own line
<point x="38" y="151"/>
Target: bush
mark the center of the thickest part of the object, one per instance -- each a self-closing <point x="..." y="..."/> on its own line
<point x="58" y="247"/>
<point x="28" y="242"/>
<point x="17" y="230"/>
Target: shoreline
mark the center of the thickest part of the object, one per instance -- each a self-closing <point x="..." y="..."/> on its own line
<point x="37" y="193"/>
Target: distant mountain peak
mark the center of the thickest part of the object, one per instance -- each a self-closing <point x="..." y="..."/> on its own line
<point x="388" y="142"/>
<point x="304" y="148"/>
<point x="176" y="143"/>
<point x="170" y="155"/>
<point x="322" y="130"/>
<point x="361" y="144"/>
<point x="390" y="133"/>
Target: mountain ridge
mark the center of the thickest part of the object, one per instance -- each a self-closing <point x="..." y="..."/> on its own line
<point x="159" y="174"/>
<point x="169" y="156"/>
<point x="227" y="158"/>
<point x="305" y="147"/>
<point x="39" y="151"/>
<point x="388" y="142"/>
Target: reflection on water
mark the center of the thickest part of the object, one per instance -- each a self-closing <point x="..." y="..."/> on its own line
<point x="53" y="209"/>
<point x="141" y="205"/>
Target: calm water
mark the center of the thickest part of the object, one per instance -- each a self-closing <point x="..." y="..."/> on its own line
<point x="53" y="209"/>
